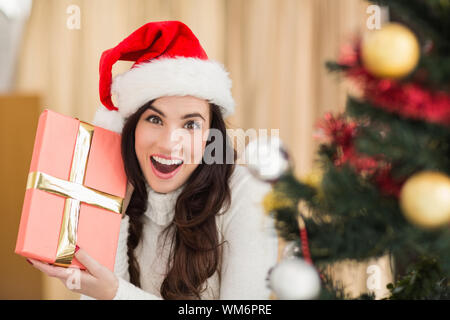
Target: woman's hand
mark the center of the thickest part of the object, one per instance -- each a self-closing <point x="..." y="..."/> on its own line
<point x="97" y="281"/>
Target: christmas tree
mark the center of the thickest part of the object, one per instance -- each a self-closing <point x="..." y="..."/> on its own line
<point x="382" y="186"/>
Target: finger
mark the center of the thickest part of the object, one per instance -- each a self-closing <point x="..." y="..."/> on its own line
<point x="51" y="271"/>
<point x="93" y="266"/>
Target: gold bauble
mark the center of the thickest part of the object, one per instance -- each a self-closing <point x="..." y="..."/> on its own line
<point x="275" y="200"/>
<point x="314" y="179"/>
<point x="425" y="199"/>
<point x="391" y="52"/>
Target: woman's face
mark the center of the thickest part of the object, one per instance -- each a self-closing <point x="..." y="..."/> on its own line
<point x="169" y="140"/>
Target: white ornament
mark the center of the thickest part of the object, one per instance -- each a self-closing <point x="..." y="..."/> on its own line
<point x="294" y="279"/>
<point x="291" y="250"/>
<point x="267" y="159"/>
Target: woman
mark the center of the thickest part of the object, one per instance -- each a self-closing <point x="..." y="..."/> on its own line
<point x="193" y="227"/>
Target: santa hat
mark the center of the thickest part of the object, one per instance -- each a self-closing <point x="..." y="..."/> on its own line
<point x="169" y="61"/>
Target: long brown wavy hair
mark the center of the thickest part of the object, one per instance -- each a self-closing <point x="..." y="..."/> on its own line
<point x="194" y="252"/>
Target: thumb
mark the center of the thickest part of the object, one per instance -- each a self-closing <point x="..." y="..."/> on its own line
<point x="93" y="266"/>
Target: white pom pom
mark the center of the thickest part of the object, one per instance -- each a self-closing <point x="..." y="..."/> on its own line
<point x="107" y="119"/>
<point x="267" y="158"/>
<point x="294" y="279"/>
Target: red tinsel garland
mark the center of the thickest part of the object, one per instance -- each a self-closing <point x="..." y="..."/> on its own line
<point x="342" y="132"/>
<point x="407" y="99"/>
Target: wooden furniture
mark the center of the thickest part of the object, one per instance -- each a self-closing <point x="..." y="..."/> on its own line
<point x="18" y="122"/>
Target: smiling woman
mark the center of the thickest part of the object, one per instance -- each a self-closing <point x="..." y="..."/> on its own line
<point x="185" y="205"/>
<point x="191" y="229"/>
<point x="166" y="161"/>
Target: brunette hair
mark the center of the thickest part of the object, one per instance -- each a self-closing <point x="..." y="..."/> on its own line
<point x="194" y="252"/>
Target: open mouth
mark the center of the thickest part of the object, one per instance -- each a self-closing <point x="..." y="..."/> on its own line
<point x="165" y="168"/>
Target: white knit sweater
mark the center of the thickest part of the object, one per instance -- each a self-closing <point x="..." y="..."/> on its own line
<point x="249" y="252"/>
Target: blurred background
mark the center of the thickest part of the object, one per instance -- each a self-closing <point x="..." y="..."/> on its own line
<point x="275" y="51"/>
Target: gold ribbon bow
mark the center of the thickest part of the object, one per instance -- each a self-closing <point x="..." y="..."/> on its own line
<point x="75" y="193"/>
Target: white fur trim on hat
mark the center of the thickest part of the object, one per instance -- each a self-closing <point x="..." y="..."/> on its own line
<point x="180" y="76"/>
<point x="107" y="119"/>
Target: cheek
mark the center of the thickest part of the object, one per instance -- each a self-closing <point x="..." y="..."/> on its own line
<point x="144" y="139"/>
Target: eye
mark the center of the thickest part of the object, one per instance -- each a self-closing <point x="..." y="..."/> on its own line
<point x="192" y="125"/>
<point x="154" y="119"/>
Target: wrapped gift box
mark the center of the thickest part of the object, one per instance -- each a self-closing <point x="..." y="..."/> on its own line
<point x="74" y="195"/>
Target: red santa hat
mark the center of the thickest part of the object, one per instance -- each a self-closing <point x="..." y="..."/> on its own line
<point x="169" y="61"/>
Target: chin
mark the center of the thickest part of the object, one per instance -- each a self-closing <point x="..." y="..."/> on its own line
<point x="160" y="188"/>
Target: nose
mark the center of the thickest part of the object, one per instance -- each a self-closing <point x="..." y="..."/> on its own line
<point x="170" y="142"/>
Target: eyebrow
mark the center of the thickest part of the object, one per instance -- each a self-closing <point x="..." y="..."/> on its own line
<point x="189" y="115"/>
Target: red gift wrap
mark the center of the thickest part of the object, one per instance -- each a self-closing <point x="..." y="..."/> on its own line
<point x="75" y="190"/>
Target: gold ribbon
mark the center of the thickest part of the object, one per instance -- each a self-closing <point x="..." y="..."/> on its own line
<point x="75" y="193"/>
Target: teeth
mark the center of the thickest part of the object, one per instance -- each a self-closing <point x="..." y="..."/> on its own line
<point x="166" y="161"/>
